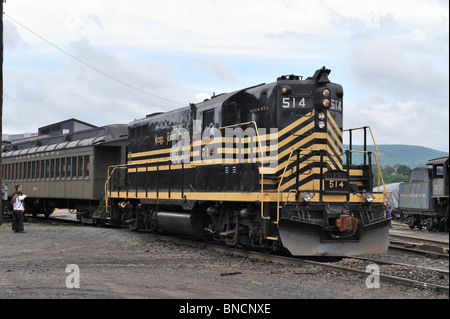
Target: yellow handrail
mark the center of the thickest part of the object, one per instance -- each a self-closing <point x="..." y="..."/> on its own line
<point x="262" y="156"/>
<point x="377" y="160"/>
<point x="279" y="186"/>
<point x="123" y="166"/>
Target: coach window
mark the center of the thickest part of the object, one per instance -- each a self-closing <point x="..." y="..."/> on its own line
<point x="38" y="169"/>
<point x="24" y="171"/>
<point x="58" y="168"/>
<point x="29" y="172"/>
<point x="52" y="168"/>
<point x="41" y="169"/>
<point x="63" y="167"/>
<point x="74" y="167"/>
<point x="33" y="170"/>
<point x="68" y="167"/>
<point x="80" y="166"/>
<point x="47" y="168"/>
<point x="86" y="166"/>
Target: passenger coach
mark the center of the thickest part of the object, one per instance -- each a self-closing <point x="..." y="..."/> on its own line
<point x="66" y="171"/>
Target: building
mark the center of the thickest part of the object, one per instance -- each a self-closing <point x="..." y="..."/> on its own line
<point x="56" y="129"/>
<point x="64" y="127"/>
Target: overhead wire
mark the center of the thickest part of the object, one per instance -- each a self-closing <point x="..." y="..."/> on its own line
<point x="88" y="65"/>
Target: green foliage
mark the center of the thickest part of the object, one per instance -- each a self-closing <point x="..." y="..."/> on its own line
<point x="397" y="174"/>
<point x="396" y="160"/>
<point x="408" y="155"/>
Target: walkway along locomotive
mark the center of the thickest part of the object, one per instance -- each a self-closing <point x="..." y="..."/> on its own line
<point x="259" y="167"/>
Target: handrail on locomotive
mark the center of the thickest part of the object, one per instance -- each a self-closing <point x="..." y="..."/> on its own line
<point x="387" y="194"/>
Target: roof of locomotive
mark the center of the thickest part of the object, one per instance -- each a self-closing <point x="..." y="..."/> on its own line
<point x="214" y="102"/>
<point x="320" y="76"/>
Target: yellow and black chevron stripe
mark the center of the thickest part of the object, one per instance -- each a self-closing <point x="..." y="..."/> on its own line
<point x="299" y="145"/>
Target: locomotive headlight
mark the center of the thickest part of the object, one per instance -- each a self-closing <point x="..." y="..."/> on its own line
<point x="368" y="197"/>
<point x="321" y="116"/>
<point x="326" y="93"/>
<point x="306" y="197"/>
<point x="326" y="103"/>
<point x="321" y="124"/>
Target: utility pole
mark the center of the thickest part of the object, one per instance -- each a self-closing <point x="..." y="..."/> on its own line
<point x="1" y="105"/>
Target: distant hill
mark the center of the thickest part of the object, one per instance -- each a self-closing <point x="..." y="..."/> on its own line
<point x="409" y="155"/>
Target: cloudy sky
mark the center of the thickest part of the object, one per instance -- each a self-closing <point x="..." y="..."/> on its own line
<point x="126" y="59"/>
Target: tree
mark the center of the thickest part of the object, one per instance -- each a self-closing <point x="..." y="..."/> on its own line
<point x="403" y="170"/>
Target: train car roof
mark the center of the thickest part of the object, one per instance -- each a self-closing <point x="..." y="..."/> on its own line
<point x="438" y="160"/>
<point x="95" y="136"/>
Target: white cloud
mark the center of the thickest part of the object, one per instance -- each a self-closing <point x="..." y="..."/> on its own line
<point x="217" y="68"/>
<point x="391" y="57"/>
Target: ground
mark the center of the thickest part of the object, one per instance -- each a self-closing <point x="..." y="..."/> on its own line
<point x="117" y="263"/>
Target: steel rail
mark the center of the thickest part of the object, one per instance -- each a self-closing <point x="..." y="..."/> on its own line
<point x="298" y="261"/>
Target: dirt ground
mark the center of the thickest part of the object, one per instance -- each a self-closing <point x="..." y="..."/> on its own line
<point x="117" y="263"/>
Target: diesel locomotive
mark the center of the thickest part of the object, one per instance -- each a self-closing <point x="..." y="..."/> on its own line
<point x="261" y="167"/>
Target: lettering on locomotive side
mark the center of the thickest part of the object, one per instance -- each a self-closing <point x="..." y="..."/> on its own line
<point x="159" y="140"/>
<point x="413" y="195"/>
<point x="259" y="109"/>
<point x="225" y="149"/>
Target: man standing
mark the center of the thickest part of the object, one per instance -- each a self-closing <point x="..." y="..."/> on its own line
<point x="389" y="214"/>
<point x="17" y="201"/>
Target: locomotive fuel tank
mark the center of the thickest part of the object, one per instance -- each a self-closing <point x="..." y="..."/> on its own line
<point x="177" y="223"/>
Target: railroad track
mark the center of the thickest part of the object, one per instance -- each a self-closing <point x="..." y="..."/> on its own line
<point x="427" y="247"/>
<point x="388" y="271"/>
<point x="355" y="265"/>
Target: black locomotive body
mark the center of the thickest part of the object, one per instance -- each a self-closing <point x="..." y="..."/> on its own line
<point x="423" y="200"/>
<point x="259" y="167"/>
<point x="67" y="171"/>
